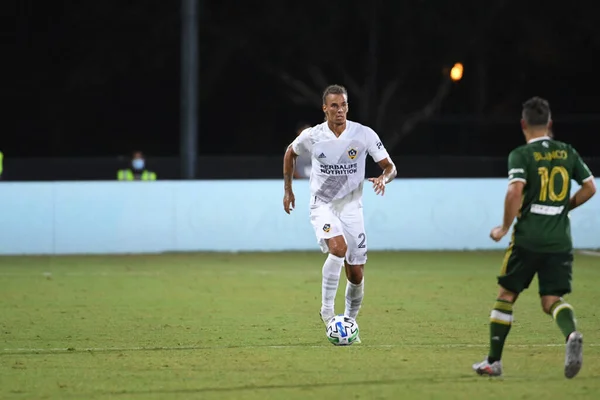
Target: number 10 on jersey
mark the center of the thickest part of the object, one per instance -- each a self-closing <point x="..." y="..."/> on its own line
<point x="548" y="179"/>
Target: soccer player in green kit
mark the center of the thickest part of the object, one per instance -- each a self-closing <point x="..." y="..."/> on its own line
<point x="540" y="174"/>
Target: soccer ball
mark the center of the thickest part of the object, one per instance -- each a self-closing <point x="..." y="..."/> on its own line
<point x="342" y="331"/>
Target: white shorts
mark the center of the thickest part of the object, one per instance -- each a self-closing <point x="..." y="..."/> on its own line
<point x="347" y="220"/>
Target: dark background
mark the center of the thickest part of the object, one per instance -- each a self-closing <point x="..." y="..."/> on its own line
<point x="96" y="80"/>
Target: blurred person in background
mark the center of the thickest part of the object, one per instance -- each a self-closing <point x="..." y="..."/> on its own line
<point x="303" y="162"/>
<point x="138" y="171"/>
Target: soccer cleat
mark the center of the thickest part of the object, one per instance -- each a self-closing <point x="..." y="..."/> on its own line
<point x="326" y="319"/>
<point x="573" y="354"/>
<point x="484" y="368"/>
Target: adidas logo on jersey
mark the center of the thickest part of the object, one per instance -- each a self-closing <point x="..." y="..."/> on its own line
<point x="322" y="155"/>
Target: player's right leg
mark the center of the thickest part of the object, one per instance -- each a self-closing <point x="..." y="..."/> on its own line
<point x="555" y="282"/>
<point x="515" y="276"/>
<point x="329" y="234"/>
<point x="331" y="276"/>
<point x="562" y="312"/>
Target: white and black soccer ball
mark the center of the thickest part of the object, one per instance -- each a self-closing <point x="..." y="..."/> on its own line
<point x="342" y="331"/>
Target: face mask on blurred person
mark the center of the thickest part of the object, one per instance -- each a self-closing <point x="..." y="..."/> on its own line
<point x="138" y="163"/>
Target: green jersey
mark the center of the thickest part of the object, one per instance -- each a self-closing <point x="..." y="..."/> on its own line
<point x="546" y="166"/>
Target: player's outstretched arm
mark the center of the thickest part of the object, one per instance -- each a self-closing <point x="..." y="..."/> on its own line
<point x="389" y="169"/>
<point x="289" y="165"/>
<point x="585" y="192"/>
<point x="388" y="175"/>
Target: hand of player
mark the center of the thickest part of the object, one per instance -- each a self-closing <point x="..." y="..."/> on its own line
<point x="378" y="185"/>
<point x="289" y="201"/>
<point x="498" y="233"/>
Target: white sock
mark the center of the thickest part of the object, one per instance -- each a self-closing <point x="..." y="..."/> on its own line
<point x="331" y="278"/>
<point x="354" y="298"/>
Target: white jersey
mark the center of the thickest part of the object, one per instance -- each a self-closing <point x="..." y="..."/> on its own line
<point x="338" y="163"/>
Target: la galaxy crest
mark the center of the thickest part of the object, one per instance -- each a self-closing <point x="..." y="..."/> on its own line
<point x="352" y="153"/>
<point x="326" y="227"/>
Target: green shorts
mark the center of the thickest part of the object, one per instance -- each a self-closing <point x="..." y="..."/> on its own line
<point x="554" y="270"/>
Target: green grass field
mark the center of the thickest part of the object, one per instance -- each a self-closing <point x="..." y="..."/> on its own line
<point x="246" y="326"/>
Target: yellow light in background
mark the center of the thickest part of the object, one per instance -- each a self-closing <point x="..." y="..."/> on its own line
<point x="456" y="72"/>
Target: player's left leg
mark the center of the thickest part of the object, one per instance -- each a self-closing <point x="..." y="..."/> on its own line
<point x="501" y="318"/>
<point x="356" y="257"/>
<point x="355" y="289"/>
<point x="555" y="282"/>
<point x="517" y="272"/>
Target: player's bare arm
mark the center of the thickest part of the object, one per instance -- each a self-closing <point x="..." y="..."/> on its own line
<point x="289" y="165"/>
<point x="388" y="175"/>
<point x="585" y="192"/>
<point x="512" y="203"/>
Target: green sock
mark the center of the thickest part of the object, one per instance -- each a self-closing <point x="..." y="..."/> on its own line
<point x="500" y="322"/>
<point x="563" y="314"/>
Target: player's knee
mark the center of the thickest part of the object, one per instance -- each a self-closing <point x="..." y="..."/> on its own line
<point x="548" y="302"/>
<point x="339" y="251"/>
<point x="338" y="247"/>
<point x="506" y="295"/>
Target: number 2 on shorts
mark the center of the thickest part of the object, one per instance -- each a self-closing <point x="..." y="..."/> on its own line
<point x="362" y="236"/>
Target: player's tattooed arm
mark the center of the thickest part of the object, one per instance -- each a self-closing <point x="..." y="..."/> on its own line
<point x="512" y="204"/>
<point x="289" y="165"/>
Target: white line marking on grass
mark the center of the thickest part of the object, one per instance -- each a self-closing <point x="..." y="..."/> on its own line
<point x="116" y="349"/>
<point x="49" y="274"/>
<point x="590" y="253"/>
<point x="82" y="274"/>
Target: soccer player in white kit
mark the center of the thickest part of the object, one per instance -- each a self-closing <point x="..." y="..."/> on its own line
<point x="338" y="149"/>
